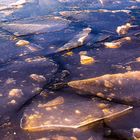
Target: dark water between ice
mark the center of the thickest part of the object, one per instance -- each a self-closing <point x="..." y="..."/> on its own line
<point x="13" y="66"/>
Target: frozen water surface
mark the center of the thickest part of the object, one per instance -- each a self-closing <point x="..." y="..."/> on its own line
<point x="69" y="69"/>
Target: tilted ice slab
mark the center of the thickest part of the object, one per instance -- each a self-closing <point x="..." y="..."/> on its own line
<point x="60" y="114"/>
<point x="77" y="41"/>
<point x="36" y="25"/>
<point x="121" y="87"/>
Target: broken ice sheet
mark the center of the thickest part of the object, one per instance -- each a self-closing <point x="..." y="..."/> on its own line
<point x="21" y="80"/>
<point x="117" y="43"/>
<point x="121" y="87"/>
<point x="99" y="19"/>
<point x="36" y="25"/>
<point x="9" y="50"/>
<point x="77" y="41"/>
<point x="68" y="115"/>
<point x="16" y="9"/>
<point x="124" y="125"/>
<point x="109" y="4"/>
<point x="105" y="60"/>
